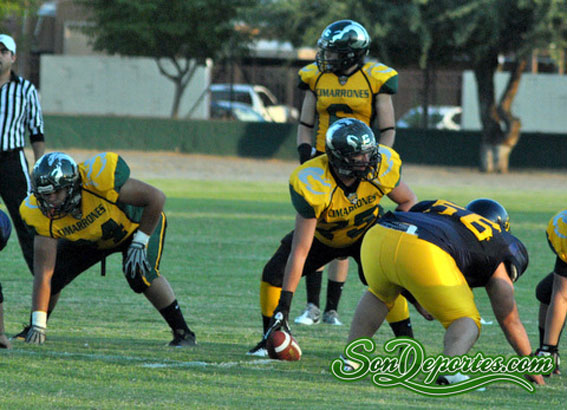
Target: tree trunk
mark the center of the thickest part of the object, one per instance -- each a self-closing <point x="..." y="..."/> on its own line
<point x="484" y="75"/>
<point x="500" y="128"/>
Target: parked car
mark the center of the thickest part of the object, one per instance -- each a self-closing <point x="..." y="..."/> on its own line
<point x="256" y="96"/>
<point x="441" y="117"/>
<point x="227" y="110"/>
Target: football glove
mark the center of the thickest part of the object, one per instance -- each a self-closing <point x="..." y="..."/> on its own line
<point x="136" y="258"/>
<point x="549" y="350"/>
<point x="278" y="322"/>
<point x="36" y="335"/>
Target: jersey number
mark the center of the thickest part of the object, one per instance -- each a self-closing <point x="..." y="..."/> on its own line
<point x="481" y="227"/>
<point x="361" y="222"/>
<point x="111" y="230"/>
<point x="334" y="109"/>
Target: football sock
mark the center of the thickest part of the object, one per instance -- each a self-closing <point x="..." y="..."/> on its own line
<point x="541" y="335"/>
<point x="402" y="328"/>
<point x="173" y="316"/>
<point x="269" y="298"/>
<point x="334" y="291"/>
<point x="313" y="284"/>
<point x="266" y="323"/>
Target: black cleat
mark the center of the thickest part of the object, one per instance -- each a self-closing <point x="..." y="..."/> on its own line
<point x="183" y="338"/>
<point x="22" y="335"/>
<point x="259" y="350"/>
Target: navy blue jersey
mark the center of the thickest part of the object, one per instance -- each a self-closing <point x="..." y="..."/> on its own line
<point x="477" y="244"/>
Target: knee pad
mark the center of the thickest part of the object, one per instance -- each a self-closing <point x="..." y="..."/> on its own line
<point x="544" y="289"/>
<point x="139" y="283"/>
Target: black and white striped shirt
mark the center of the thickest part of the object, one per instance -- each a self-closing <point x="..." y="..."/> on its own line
<point x="19" y="110"/>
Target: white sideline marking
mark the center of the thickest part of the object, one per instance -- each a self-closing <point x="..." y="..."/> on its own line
<point x="148" y="362"/>
<point x="205" y="364"/>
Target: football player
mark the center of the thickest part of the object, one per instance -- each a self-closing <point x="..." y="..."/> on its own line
<point x="439" y="251"/>
<point x="552" y="291"/>
<point x="337" y="197"/>
<point x="82" y="213"/>
<point x="5" y="231"/>
<point x="340" y="84"/>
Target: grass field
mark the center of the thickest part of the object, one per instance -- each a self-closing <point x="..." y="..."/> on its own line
<point x="106" y="345"/>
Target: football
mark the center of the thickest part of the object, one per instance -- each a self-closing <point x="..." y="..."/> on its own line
<point x="283" y="346"/>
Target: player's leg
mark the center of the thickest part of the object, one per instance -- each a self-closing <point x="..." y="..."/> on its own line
<point x="4" y="342"/>
<point x="337" y="271"/>
<point x="555" y="319"/>
<point x="398" y="317"/>
<point x="72" y="260"/>
<point x="311" y="315"/>
<point x="159" y="292"/>
<point x="14" y="187"/>
<point x="273" y="275"/>
<point x="368" y="316"/>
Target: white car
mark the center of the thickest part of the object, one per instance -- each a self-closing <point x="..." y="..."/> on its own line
<point x="256" y="96"/>
<point x="441" y="117"/>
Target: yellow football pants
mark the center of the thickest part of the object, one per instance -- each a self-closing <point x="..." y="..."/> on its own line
<point x="394" y="260"/>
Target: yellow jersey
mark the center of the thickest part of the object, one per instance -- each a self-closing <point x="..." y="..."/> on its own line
<point x="105" y="222"/>
<point x="350" y="96"/>
<point x="343" y="213"/>
<point x="557" y="234"/>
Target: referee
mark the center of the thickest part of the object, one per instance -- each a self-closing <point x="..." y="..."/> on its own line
<point x="19" y="111"/>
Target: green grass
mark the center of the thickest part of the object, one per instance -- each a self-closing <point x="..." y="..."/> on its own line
<point x="105" y="345"/>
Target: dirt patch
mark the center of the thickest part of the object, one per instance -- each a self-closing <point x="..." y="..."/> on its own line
<point x="207" y="167"/>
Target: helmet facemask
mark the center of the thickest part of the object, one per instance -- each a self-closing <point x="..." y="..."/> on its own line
<point x="349" y="138"/>
<point x="52" y="173"/>
<point x="343" y="44"/>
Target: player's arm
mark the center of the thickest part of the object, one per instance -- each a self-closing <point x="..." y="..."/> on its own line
<point x="138" y="193"/>
<point x="500" y="290"/>
<point x="305" y="127"/>
<point x="38" y="148"/>
<point x="403" y="196"/>
<point x="300" y="246"/>
<point x="44" y="256"/>
<point x="386" y="119"/>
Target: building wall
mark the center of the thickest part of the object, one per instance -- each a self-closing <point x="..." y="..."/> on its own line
<point x="540" y="103"/>
<point x="109" y="85"/>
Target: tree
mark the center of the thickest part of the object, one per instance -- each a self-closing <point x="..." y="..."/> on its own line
<point x="440" y="33"/>
<point x="179" y="34"/>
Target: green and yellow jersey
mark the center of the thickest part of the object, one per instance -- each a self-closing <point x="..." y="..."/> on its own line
<point x="343" y="214"/>
<point x="557" y="234"/>
<point x="105" y="222"/>
<point x="346" y="96"/>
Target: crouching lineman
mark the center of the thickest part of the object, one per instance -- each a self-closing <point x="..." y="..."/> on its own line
<point x="82" y="213"/>
<point x="552" y="291"/>
<point x="337" y="198"/>
<point x="438" y="252"/>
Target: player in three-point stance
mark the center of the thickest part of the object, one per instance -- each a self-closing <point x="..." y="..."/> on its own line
<point x="82" y="213"/>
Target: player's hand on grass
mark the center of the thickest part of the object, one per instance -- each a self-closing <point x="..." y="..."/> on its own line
<point x="36" y="335"/>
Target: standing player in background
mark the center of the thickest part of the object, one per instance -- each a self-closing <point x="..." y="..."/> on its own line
<point x="82" y="213"/>
<point x="5" y="230"/>
<point x="336" y="197"/>
<point x="338" y="85"/>
<point x="20" y="111"/>
<point x="552" y="291"/>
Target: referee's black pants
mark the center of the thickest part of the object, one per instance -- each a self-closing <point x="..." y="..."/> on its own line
<point x="14" y="187"/>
